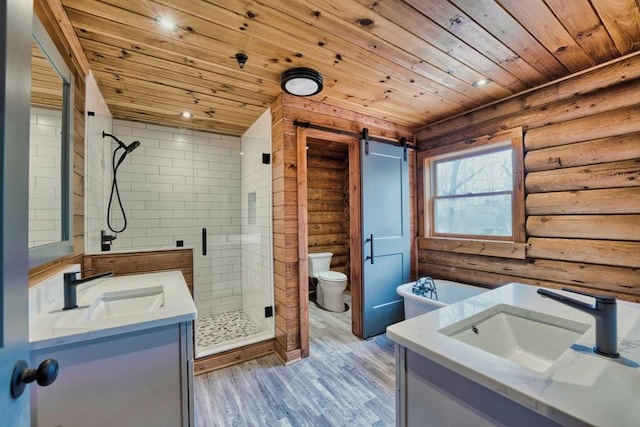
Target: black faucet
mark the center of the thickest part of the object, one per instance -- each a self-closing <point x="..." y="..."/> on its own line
<point x="71" y="282"/>
<point x="605" y="314"/>
<point x="425" y="287"/>
<point x="106" y="240"/>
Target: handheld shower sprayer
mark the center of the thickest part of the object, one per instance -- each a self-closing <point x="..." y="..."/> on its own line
<point x="132" y="146"/>
<point x="114" y="185"/>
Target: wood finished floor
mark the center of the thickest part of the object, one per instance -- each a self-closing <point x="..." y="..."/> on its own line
<point x="345" y="382"/>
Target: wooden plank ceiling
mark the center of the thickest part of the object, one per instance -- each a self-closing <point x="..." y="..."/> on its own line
<point x="46" y="84"/>
<point x="414" y="64"/>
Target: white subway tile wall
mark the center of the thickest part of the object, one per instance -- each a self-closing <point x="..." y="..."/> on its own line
<point x="174" y="185"/>
<point x="45" y="179"/>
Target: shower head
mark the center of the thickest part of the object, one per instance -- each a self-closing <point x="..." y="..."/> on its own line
<point x="127" y="148"/>
<point x="132" y="146"/>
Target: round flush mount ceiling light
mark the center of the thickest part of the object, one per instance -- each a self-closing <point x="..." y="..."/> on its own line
<point x="186" y="114"/>
<point x="301" y="81"/>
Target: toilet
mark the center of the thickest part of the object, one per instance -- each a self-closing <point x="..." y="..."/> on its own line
<point x="331" y="284"/>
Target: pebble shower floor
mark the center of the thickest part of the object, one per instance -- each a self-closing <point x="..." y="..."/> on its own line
<point x="219" y="328"/>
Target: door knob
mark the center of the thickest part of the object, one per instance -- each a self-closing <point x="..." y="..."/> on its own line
<point x="46" y="373"/>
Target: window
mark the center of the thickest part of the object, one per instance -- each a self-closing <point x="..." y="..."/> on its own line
<point x="473" y="194"/>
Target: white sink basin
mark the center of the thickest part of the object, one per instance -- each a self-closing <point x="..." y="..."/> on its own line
<point x="124" y="303"/>
<point x="531" y="339"/>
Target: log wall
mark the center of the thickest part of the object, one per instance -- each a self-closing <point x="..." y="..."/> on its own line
<point x="328" y="202"/>
<point x="582" y="166"/>
<point x="290" y="327"/>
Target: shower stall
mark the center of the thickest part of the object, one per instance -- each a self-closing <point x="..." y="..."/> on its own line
<point x="236" y="262"/>
<point x="201" y="190"/>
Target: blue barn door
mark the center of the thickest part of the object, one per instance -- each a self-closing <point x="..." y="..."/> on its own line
<point x="385" y="233"/>
<point x="15" y="92"/>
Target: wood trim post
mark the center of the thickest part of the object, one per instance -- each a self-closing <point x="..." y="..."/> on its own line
<point x="420" y="180"/>
<point x="355" y="236"/>
<point x="518" y="207"/>
<point x="303" y="241"/>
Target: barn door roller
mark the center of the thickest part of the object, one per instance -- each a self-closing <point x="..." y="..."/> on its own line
<point x="365" y="136"/>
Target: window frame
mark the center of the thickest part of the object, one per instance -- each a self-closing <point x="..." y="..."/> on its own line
<point x="505" y="246"/>
<point x="40" y="255"/>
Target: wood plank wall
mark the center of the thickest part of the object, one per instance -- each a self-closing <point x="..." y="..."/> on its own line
<point x="44" y="13"/>
<point x="127" y="263"/>
<point x="328" y="201"/>
<point x="582" y="166"/>
<point x="284" y="110"/>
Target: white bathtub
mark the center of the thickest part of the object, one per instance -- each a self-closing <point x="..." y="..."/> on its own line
<point x="448" y="293"/>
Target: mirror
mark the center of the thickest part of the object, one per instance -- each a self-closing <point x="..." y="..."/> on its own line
<point x="50" y="152"/>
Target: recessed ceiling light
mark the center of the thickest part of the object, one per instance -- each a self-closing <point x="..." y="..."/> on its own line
<point x="481" y="82"/>
<point x="186" y="114"/>
<point x="167" y="23"/>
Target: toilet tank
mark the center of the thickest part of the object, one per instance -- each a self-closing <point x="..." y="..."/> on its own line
<point x="319" y="262"/>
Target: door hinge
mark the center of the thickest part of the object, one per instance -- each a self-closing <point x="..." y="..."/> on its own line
<point x="268" y="311"/>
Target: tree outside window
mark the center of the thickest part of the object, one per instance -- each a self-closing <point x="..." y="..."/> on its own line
<point x="473" y="194"/>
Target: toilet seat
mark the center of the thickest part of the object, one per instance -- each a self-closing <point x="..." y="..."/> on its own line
<point x="332" y="276"/>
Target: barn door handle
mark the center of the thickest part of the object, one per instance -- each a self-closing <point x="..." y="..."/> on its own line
<point x="370" y="239"/>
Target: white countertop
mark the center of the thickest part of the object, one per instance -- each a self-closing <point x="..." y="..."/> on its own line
<point x="580" y="387"/>
<point x="52" y="326"/>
